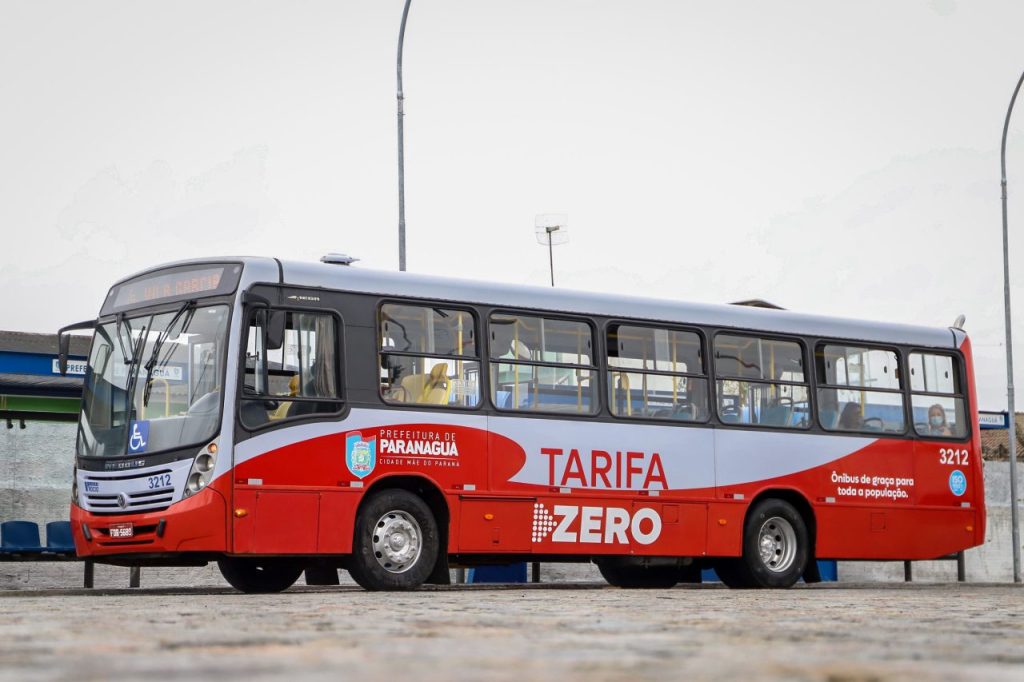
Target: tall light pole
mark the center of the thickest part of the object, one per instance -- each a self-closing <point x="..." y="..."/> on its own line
<point x="1015" y="529"/>
<point x="401" y="145"/>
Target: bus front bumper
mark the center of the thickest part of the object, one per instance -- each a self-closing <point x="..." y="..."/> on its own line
<point x="196" y="524"/>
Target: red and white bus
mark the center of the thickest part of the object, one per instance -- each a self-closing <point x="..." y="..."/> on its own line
<point x="278" y="417"/>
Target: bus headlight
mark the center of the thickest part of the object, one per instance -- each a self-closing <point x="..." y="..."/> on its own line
<point x="196" y="482"/>
<point x="202" y="470"/>
<point x="74" y="485"/>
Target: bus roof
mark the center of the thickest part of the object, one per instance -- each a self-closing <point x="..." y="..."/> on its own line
<point x="349" y="278"/>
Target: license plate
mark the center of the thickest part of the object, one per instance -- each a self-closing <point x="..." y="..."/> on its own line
<point x="122" y="530"/>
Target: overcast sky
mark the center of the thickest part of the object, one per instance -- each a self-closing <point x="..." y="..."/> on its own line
<point x="832" y="157"/>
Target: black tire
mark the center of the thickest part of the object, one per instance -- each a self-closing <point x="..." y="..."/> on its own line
<point x="256" y="575"/>
<point x="782" y="562"/>
<point x="411" y="518"/>
<point x="733" y="574"/>
<point x="639" y="577"/>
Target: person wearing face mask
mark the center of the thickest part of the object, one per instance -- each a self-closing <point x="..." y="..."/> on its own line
<point x="937" y="425"/>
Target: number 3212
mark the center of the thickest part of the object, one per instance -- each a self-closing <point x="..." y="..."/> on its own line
<point x="953" y="456"/>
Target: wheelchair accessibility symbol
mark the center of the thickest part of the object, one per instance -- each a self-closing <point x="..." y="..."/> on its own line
<point x="139" y="437"/>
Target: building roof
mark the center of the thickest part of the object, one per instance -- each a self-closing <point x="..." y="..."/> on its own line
<point x="35" y="385"/>
<point x="28" y="342"/>
<point x="995" y="442"/>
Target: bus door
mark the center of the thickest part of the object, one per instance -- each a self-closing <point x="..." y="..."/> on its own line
<point x="284" y="474"/>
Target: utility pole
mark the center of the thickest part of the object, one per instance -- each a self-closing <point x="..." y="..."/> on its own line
<point x="1015" y="528"/>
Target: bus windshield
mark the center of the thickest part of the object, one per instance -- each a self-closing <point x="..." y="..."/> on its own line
<point x="152" y="382"/>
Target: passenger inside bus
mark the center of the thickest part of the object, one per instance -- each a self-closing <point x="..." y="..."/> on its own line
<point x="937" y="424"/>
<point x="851" y="418"/>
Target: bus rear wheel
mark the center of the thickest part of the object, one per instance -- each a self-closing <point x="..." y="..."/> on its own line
<point x="396" y="542"/>
<point x="776" y="548"/>
<point x="639" y="577"/>
<point x="259" y="575"/>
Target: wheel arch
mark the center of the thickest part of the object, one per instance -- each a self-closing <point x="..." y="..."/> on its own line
<point x="421" y="486"/>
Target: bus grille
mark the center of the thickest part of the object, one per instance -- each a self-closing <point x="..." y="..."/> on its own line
<point x="127" y="500"/>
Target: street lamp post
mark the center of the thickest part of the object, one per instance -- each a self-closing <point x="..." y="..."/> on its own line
<point x="401" y="144"/>
<point x="1015" y="529"/>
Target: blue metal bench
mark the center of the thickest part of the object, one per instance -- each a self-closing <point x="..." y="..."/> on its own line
<point x="19" y="541"/>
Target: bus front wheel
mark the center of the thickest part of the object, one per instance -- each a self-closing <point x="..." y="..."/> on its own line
<point x="776" y="548"/>
<point x="396" y="542"/>
<point x="259" y="575"/>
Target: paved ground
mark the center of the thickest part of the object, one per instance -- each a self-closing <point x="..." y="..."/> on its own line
<point x="588" y="632"/>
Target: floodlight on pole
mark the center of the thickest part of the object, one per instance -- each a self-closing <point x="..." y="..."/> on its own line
<point x="551" y="230"/>
<point x="1012" y="431"/>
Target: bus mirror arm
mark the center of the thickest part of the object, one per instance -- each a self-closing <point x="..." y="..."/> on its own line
<point x="255" y="300"/>
<point x="64" y="342"/>
<point x="275" y="319"/>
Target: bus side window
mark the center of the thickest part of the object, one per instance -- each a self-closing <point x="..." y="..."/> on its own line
<point x="656" y="374"/>
<point x="428" y="356"/>
<point x="859" y="389"/>
<point x="293" y="375"/>
<point x="541" y="364"/>
<point x="936" y="396"/>
<point x="761" y="381"/>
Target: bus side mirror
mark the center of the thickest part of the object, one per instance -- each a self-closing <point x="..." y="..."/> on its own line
<point x="275" y="329"/>
<point x="64" y="343"/>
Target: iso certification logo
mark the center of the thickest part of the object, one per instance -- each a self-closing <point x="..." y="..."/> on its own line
<point x="958" y="483"/>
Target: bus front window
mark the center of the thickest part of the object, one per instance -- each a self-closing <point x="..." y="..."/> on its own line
<point x="171" y="365"/>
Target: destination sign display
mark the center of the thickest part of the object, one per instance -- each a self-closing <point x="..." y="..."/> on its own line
<point x="174" y="284"/>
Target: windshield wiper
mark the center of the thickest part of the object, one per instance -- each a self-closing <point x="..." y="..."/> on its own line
<point x="132" y="376"/>
<point x="154" y="357"/>
<point x="121" y="319"/>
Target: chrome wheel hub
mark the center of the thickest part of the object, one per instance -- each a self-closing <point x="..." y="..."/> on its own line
<point x="397" y="541"/>
<point x="776" y="543"/>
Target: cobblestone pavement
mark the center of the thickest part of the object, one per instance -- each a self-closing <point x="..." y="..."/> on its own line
<point x="839" y="633"/>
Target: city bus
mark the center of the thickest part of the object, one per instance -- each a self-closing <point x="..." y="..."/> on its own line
<point x="281" y="417"/>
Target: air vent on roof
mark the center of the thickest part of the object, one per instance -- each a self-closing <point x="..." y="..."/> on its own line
<point x="758" y="303"/>
<point x="338" y="259"/>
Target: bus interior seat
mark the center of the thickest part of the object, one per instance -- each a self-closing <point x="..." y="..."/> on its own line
<point x="685" y="411"/>
<point x="430" y="389"/>
<point x="285" y="407"/>
<point x="828" y="417"/>
<point x="777" y="415"/>
<point x="438" y="389"/>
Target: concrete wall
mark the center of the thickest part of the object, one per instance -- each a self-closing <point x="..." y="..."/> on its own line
<point x="35" y="482"/>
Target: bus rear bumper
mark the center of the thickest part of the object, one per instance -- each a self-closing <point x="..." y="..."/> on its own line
<point x="196" y="524"/>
